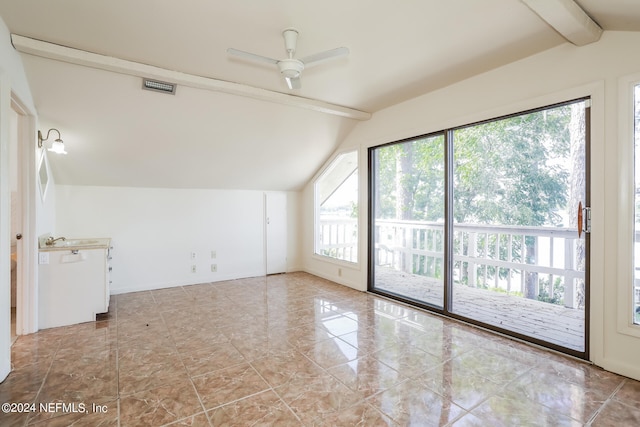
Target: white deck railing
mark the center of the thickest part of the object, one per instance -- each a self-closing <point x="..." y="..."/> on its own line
<point x="500" y="257"/>
<point x="338" y="238"/>
<point x="507" y="258"/>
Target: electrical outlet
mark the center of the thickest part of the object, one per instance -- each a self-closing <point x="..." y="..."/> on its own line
<point x="193" y="268"/>
<point x="214" y="268"/>
<point x="213" y="254"/>
<point x="193" y="255"/>
<point x="43" y="258"/>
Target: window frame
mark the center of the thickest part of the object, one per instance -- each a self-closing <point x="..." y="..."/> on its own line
<point x="316" y="211"/>
<point x="587" y="94"/>
<point x="626" y="215"/>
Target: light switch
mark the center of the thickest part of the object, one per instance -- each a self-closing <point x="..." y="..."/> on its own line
<point x="43" y="258"/>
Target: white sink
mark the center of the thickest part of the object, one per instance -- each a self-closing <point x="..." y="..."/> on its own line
<point x="77" y="242"/>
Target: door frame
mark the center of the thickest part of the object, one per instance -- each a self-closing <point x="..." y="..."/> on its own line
<point x="448" y="233"/>
<point x="26" y="301"/>
<point x="275" y="232"/>
<point x="5" y="228"/>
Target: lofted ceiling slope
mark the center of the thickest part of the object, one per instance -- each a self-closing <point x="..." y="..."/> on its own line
<point x="119" y="135"/>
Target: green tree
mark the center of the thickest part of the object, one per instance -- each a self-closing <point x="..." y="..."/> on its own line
<point x="511" y="171"/>
<point x="502" y="172"/>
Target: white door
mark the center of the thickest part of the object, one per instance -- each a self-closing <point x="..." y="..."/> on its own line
<point x="5" y="229"/>
<point x="275" y="232"/>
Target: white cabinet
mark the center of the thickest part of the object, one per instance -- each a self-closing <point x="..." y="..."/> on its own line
<point x="73" y="285"/>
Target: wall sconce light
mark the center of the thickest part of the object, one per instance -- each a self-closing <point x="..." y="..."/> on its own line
<point x="57" y="146"/>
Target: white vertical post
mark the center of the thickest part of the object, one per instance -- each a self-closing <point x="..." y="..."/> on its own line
<point x="509" y="259"/>
<point x="473" y="253"/>
<point x="551" y="291"/>
<point x="497" y="249"/>
<point x="570" y="294"/>
<point x="523" y="262"/>
<point x="536" y="247"/>
<point x="409" y="249"/>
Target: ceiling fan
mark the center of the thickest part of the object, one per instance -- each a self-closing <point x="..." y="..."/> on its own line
<point x="290" y="67"/>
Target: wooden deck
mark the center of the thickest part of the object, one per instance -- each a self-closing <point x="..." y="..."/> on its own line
<point x="549" y="322"/>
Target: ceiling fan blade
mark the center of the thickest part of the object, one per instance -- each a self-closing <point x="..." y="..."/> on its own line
<point x="251" y="56"/>
<point x="327" y="54"/>
<point x="293" y="82"/>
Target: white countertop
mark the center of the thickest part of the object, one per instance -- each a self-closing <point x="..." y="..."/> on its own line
<point x="76" y="244"/>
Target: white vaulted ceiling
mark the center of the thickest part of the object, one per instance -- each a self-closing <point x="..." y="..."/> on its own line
<point x="120" y="135"/>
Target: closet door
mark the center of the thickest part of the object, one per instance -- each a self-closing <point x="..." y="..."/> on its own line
<point x="275" y="208"/>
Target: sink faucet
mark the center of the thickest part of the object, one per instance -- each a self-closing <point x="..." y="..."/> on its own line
<point x="50" y="240"/>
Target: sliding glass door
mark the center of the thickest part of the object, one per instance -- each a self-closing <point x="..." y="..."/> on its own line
<point x="489" y="223"/>
<point x="409" y="213"/>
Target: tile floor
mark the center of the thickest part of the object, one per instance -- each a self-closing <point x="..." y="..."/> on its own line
<point x="296" y="350"/>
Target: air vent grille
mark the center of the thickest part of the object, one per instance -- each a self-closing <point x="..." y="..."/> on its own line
<point x="159" y="86"/>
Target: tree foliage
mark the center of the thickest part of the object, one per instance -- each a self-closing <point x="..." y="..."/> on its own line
<point x="507" y="172"/>
<point x="523" y="170"/>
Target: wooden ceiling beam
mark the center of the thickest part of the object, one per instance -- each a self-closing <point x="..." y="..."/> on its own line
<point x="568" y="19"/>
<point x="89" y="59"/>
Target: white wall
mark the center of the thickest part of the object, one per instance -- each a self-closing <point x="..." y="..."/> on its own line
<point x="562" y="73"/>
<point x="12" y="81"/>
<point x="155" y="230"/>
<point x="294" y="231"/>
<point x="11" y="64"/>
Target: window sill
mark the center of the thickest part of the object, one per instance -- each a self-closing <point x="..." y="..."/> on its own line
<point x="352" y="265"/>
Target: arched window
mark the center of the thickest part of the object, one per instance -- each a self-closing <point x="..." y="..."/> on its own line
<point x="336" y="202"/>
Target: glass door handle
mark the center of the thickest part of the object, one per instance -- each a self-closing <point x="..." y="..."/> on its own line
<point x="580" y="219"/>
<point x="584" y="219"/>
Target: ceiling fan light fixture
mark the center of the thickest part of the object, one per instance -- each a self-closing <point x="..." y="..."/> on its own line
<point x="291" y="74"/>
<point x="293" y="83"/>
<point x="290" y="68"/>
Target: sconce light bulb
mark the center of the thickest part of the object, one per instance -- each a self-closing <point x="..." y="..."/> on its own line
<point x="58" y="147"/>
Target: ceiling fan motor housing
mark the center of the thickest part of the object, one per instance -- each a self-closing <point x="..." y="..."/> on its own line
<point x="290" y="38"/>
<point x="290" y="68"/>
